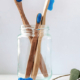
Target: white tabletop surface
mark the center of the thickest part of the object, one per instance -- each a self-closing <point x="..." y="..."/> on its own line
<point x="14" y="77"/>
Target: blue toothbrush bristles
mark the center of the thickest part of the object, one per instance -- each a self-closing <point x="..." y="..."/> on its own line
<point x="39" y="16"/>
<point x="50" y="7"/>
<point x="28" y="79"/>
<point x="25" y="79"/>
<point x="18" y="0"/>
<point x="20" y="78"/>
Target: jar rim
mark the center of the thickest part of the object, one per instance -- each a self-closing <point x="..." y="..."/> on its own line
<point x="33" y="27"/>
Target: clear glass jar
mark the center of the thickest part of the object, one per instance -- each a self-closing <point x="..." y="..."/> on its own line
<point x="41" y="40"/>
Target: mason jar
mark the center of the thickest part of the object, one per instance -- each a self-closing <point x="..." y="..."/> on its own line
<point x="34" y="53"/>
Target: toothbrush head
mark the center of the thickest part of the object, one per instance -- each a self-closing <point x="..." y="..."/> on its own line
<point x="20" y="78"/>
<point x="18" y="0"/>
<point x="25" y="79"/>
<point x="39" y="16"/>
<point x="50" y="7"/>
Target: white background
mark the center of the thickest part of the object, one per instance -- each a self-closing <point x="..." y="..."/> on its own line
<point x="64" y="23"/>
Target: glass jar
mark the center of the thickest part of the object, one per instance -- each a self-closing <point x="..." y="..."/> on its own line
<point x="34" y="53"/>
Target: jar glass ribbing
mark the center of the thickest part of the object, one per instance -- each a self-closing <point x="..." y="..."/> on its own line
<point x="24" y="49"/>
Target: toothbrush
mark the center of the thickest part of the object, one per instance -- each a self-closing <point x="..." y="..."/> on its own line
<point x="23" y="17"/>
<point x="19" y="6"/>
<point x="49" y="6"/>
<point x="33" y="47"/>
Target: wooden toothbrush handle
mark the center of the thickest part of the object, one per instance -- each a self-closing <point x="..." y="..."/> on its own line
<point x="43" y="67"/>
<point x="31" y="57"/>
<point x="20" y="8"/>
<point x="24" y="20"/>
<point x="36" y="61"/>
<point x="39" y="62"/>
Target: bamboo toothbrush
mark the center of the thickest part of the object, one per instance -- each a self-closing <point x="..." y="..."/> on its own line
<point x="48" y="5"/>
<point x="19" y="6"/>
<point x="33" y="48"/>
<point x="43" y="67"/>
<point x="23" y="17"/>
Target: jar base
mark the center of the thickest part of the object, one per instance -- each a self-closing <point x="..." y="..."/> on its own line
<point x="39" y="76"/>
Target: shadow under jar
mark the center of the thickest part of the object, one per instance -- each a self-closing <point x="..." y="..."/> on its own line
<point x="34" y="53"/>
